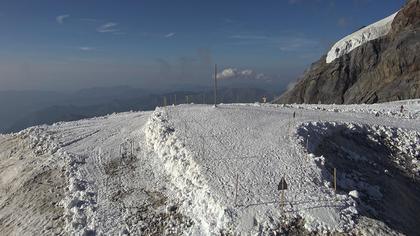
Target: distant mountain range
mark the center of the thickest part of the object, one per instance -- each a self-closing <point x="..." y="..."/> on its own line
<point x="377" y="63"/>
<point x="22" y="109"/>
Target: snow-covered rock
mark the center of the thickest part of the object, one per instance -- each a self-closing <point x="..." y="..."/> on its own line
<point x="354" y="194"/>
<point x="358" y="38"/>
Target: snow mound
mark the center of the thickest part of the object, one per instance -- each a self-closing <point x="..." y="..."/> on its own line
<point x="403" y="142"/>
<point x="185" y="174"/>
<point x="79" y="201"/>
<point x="225" y="164"/>
<point x="371" y="162"/>
<point x="360" y="37"/>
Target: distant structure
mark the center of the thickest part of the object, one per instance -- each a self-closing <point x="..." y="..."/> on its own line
<point x="264" y="99"/>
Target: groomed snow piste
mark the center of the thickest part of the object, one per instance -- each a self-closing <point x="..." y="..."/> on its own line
<point x="202" y="170"/>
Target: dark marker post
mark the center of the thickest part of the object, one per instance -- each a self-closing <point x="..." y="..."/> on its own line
<point x="236" y="189"/>
<point x="282" y="187"/>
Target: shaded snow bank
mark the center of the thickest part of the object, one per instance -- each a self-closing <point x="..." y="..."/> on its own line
<point x="376" y="165"/>
<point x="405" y="142"/>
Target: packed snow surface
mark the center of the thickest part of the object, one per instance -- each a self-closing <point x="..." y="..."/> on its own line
<point x="360" y="37"/>
<point x="193" y="169"/>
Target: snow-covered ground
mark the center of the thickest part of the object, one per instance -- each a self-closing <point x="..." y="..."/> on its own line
<point x="199" y="169"/>
<point x="411" y="108"/>
<point x="360" y="37"/>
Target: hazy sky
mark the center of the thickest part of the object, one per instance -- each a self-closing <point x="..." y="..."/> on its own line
<point x="61" y="45"/>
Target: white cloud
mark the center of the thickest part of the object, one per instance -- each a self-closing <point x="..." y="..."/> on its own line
<point x="60" y="19"/>
<point x="234" y="73"/>
<point x="109" y="27"/>
<point x="170" y="35"/>
<point x="86" y="48"/>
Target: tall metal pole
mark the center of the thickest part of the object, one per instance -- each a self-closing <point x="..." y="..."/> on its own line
<point x="215" y="85"/>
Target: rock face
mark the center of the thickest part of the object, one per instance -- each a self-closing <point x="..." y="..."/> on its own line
<point x="380" y="70"/>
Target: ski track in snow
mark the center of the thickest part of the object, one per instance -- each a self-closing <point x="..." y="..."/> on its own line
<point x="193" y="154"/>
<point x="93" y="145"/>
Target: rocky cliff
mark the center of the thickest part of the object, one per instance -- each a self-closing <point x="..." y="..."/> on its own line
<point x="385" y="68"/>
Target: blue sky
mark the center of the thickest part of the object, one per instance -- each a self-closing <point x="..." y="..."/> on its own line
<point x="61" y="45"/>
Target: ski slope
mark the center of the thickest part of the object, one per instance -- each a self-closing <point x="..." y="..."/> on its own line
<point x="196" y="170"/>
<point x="258" y="145"/>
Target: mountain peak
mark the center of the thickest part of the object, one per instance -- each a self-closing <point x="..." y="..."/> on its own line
<point x="378" y="63"/>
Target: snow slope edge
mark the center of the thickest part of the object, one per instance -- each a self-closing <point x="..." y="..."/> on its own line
<point x="185" y="174"/>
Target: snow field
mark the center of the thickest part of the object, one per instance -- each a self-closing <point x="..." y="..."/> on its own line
<point x="212" y="147"/>
<point x="201" y="170"/>
<point x="411" y="108"/>
<point x="118" y="190"/>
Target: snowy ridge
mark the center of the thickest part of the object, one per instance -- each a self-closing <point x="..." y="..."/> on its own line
<point x="185" y="175"/>
<point x="115" y="189"/>
<point x="360" y="37"/>
<point x="78" y="203"/>
<point x="40" y="142"/>
<point x="411" y="108"/>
